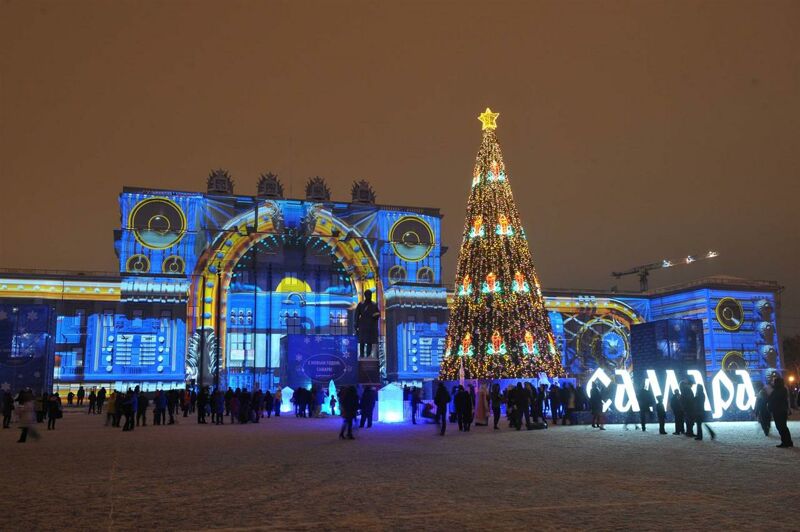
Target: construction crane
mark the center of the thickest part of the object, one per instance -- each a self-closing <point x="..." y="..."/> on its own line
<point x="644" y="270"/>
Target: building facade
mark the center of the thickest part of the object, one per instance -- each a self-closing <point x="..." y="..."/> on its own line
<point x="211" y="284"/>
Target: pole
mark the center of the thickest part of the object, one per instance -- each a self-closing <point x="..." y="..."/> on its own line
<point x="255" y="295"/>
<point x="201" y="362"/>
<point x="255" y="306"/>
<point x="217" y="328"/>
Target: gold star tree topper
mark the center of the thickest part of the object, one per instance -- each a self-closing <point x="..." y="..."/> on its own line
<point x="488" y="119"/>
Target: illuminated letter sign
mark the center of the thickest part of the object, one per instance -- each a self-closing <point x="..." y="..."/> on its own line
<point x="724" y="392"/>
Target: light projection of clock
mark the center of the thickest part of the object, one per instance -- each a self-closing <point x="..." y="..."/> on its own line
<point x="730" y="314"/>
<point x="137" y="264"/>
<point x="412" y="238"/>
<point x="173" y="264"/>
<point x="157" y="223"/>
<point x="733" y="360"/>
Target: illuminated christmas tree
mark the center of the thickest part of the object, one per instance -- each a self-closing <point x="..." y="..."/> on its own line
<point x="498" y="326"/>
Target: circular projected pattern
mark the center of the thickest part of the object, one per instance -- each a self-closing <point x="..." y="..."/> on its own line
<point x="137" y="264"/>
<point x="602" y="342"/>
<point x="412" y="238"/>
<point x="425" y="275"/>
<point x="733" y="360"/>
<point x="730" y="314"/>
<point x="157" y="223"/>
<point x="173" y="264"/>
<point x="397" y="274"/>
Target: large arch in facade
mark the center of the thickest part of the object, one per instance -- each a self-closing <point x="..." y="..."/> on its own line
<point x="210" y="282"/>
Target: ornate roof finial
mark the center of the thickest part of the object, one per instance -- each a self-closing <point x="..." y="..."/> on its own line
<point x="219" y="182"/>
<point x="269" y="186"/>
<point x="362" y="192"/>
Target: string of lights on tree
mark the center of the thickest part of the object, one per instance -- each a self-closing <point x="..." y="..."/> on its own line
<point x="498" y="325"/>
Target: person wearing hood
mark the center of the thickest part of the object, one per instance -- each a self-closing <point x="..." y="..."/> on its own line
<point x="778" y="403"/>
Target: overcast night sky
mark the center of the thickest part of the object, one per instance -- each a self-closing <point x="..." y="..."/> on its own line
<point x="633" y="131"/>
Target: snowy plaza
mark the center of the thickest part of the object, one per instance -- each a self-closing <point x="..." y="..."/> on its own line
<point x="294" y="474"/>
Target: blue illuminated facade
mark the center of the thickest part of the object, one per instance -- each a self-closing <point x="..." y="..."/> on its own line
<point x="210" y="286"/>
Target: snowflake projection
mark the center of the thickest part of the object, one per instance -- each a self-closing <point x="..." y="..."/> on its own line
<point x="6" y="386"/>
<point x="32" y="316"/>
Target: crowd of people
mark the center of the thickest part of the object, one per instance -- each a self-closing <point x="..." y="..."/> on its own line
<point x="30" y="409"/>
<point x="529" y="406"/>
<point x="524" y="404"/>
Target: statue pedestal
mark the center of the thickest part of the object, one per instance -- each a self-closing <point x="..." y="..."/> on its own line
<point x="369" y="371"/>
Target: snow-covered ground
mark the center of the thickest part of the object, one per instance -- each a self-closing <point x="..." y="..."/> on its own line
<point x="292" y="473"/>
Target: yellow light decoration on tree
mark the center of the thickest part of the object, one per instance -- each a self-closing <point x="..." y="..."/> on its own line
<point x="502" y="327"/>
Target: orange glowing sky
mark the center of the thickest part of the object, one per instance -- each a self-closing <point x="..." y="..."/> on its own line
<point x="633" y="131"/>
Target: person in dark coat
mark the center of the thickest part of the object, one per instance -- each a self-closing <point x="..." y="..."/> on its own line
<point x="92" y="402"/>
<point x="201" y="402"/>
<point x="228" y="398"/>
<point x="533" y="398"/>
<point x="687" y="405"/>
<point x="699" y="413"/>
<point x="217" y="407"/>
<point x="463" y="409"/>
<point x="258" y="405"/>
<point x="172" y="405"/>
<point x="141" y="413"/>
<point x="269" y="403"/>
<point x="416" y="399"/>
<point x="81" y="395"/>
<point x="661" y="414"/>
<point x="496" y="399"/>
<point x="596" y="404"/>
<point x="368" y="399"/>
<point x="245" y="406"/>
<point x="521" y="402"/>
<point x="645" y="399"/>
<point x="53" y="411"/>
<point x="676" y="405"/>
<point x="159" y="408"/>
<point x="555" y="402"/>
<point x="778" y="403"/>
<point x="101" y="398"/>
<point x="366" y="324"/>
<point x="348" y="404"/>
<point x="129" y="404"/>
<point x="441" y="399"/>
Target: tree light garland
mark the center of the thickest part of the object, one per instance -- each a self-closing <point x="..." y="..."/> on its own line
<point x="500" y="332"/>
